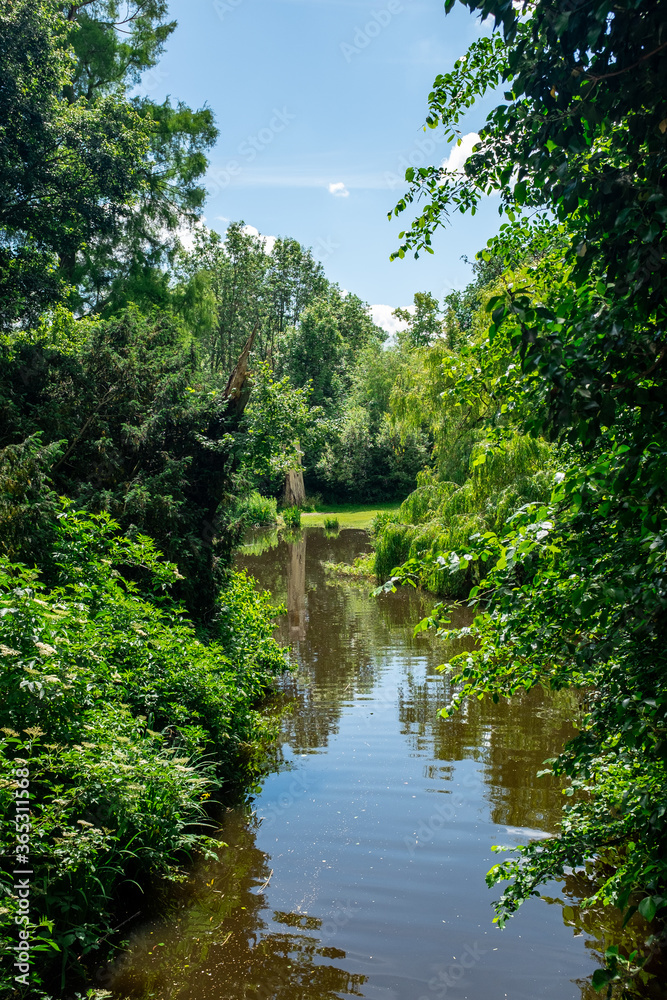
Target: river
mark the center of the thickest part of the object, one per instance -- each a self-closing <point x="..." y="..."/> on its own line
<point x="358" y="868"/>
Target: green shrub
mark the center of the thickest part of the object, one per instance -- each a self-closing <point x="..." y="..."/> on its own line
<point x="258" y="510"/>
<point x="292" y="517"/>
<point x="331" y="524"/>
<point x="440" y="517"/>
<point x="127" y="723"/>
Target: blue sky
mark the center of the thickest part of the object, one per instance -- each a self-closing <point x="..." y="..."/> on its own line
<point x="320" y="105"/>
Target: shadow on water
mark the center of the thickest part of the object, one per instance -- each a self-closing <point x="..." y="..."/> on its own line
<point x="221" y="941"/>
<point x="358" y="870"/>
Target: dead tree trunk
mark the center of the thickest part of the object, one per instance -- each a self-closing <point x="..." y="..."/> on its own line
<point x="295" y="492"/>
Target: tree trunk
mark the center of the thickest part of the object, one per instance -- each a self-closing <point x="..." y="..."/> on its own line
<point x="295" y="491"/>
<point x="296" y="590"/>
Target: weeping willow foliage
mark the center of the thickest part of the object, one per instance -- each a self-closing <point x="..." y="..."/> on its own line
<point x="442" y="516"/>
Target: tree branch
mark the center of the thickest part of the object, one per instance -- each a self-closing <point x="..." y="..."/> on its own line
<point x="619" y="72"/>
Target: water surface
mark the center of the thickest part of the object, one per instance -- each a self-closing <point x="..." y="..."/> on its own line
<point x="358" y="870"/>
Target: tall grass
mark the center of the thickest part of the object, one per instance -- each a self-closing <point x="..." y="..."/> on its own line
<point x="257" y="510"/>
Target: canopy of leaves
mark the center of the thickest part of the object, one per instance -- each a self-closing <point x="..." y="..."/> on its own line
<point x="92" y="181"/>
<point x="573" y="591"/>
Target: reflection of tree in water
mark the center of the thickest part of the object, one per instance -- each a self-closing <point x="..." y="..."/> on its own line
<point x="347" y="644"/>
<point x="296" y="589"/>
<point x="511" y="740"/>
<point x="603" y="927"/>
<point x="221" y="941"/>
<point x="342" y="637"/>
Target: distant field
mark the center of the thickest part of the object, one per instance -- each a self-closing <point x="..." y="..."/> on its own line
<point x="350" y="515"/>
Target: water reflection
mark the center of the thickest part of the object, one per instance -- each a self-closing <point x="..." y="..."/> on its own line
<point x="359" y="870"/>
<point x="221" y="940"/>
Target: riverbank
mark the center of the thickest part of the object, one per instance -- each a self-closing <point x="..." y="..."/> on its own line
<point x="348" y="515"/>
<point x="121" y="724"/>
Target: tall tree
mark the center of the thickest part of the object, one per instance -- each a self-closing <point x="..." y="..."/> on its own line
<point x="424" y="322"/>
<point x="93" y="182"/>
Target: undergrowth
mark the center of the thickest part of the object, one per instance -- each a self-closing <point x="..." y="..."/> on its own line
<point x="125" y="724"/>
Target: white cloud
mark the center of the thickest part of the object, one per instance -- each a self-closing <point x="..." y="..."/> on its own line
<point x="186" y="234"/>
<point x="268" y="241"/>
<point x="338" y="190"/>
<point x="383" y="317"/>
<point x="459" y="154"/>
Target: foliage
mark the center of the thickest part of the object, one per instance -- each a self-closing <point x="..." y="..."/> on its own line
<point x="321" y="349"/>
<point x="127" y="723"/>
<point x="424" y="323"/>
<point x="439" y="517"/>
<point x="363" y="568"/>
<point x="146" y="435"/>
<point x="235" y="286"/>
<point x="573" y="590"/>
<point x="292" y="517"/>
<point x="366" y="454"/>
<point x="331" y="523"/>
<point x="276" y="421"/>
<point x="257" y="510"/>
<point x="91" y="179"/>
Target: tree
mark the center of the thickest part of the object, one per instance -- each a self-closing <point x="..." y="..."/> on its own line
<point x="573" y="591"/>
<point x="114" y="43"/>
<point x="424" y="324"/>
<point x="119" y="416"/>
<point x="322" y="348"/>
<point x="92" y="183"/>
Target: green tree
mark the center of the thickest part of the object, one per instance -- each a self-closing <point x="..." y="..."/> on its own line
<point x="231" y="286"/>
<point x="424" y="324"/>
<point x="120" y="416"/>
<point x="322" y="348"/>
<point x="573" y="591"/>
<point x="93" y="182"/>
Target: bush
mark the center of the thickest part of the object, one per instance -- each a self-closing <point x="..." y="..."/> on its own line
<point x="258" y="510"/>
<point x="441" y="517"/>
<point x="127" y="723"/>
<point x="331" y="524"/>
<point x="292" y="517"/>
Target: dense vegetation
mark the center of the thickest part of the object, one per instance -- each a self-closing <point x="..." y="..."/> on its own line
<point x="154" y="397"/>
<point x="147" y="395"/>
<point x="560" y="377"/>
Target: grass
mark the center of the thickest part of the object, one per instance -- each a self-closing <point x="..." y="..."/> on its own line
<point x="352" y="515"/>
<point x="362" y="568"/>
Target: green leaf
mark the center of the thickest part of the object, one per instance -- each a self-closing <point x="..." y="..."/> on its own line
<point x="649" y="906"/>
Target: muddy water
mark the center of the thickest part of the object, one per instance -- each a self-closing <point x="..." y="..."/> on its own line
<point x="358" y="869"/>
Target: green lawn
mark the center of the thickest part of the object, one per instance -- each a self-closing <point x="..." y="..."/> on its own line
<point x="350" y="515"/>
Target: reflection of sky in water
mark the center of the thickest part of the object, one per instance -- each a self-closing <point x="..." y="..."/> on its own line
<point x="359" y="868"/>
